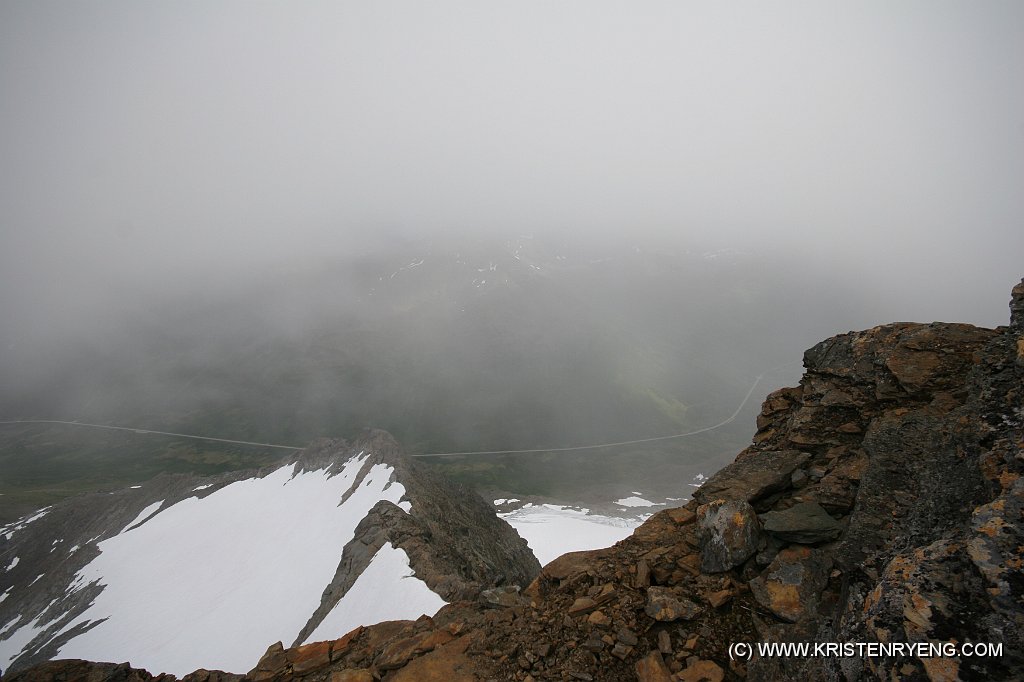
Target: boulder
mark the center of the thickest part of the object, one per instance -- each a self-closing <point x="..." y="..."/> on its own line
<point x="752" y="476"/>
<point x="728" y="533"/>
<point x="793" y="582"/>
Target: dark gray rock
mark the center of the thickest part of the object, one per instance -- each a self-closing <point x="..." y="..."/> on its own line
<point x="807" y="523"/>
<point x="1017" y="308"/>
<point x="752" y="477"/>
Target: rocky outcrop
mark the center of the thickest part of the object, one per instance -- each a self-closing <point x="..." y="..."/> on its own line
<point x="906" y="436"/>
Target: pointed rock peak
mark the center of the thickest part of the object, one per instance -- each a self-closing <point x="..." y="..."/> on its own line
<point x="377" y="445"/>
<point x="380" y="443"/>
<point x="1017" y="307"/>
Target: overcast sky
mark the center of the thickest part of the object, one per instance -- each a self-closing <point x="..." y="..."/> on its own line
<point x="154" y="146"/>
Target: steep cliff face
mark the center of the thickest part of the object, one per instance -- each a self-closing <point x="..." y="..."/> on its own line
<point x="881" y="501"/>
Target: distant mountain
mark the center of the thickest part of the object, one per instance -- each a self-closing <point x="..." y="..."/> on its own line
<point x="186" y="571"/>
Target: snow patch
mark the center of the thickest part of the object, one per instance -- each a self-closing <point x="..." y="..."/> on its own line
<point x="17" y="640"/>
<point x="10" y="648"/>
<point x="143" y="515"/>
<point x="552" y="530"/>
<point x="9" y="530"/>
<point x="637" y="502"/>
<point x="405" y="596"/>
<point x="201" y="487"/>
<point x="14" y="562"/>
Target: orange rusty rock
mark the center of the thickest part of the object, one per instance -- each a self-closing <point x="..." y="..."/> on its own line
<point x="445" y="664"/>
<point x="682" y="515"/>
<point x="702" y="671"/>
<point x="940" y="669"/>
<point x="434" y="639"/>
<point x="310" y="657"/>
<point x="342" y="644"/>
<point x="651" y="668"/>
<point x="719" y="598"/>
<point x="351" y="675"/>
<point x="918" y="615"/>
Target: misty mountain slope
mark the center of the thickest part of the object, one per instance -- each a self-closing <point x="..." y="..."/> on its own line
<point x="185" y="572"/>
<point x="880" y="503"/>
<point x="567" y="342"/>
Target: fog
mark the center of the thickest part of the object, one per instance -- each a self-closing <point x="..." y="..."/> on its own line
<point x="182" y="183"/>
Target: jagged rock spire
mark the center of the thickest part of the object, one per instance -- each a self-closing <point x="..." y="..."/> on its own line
<point x="1017" y="307"/>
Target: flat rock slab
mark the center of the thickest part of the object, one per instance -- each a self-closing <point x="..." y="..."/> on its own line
<point x="728" y="533"/>
<point x="752" y="477"/>
<point x="791" y="585"/>
<point x="807" y="523"/>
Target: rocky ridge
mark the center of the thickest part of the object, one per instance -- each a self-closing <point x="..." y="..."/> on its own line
<point x="454" y="542"/>
<point x="881" y="501"/>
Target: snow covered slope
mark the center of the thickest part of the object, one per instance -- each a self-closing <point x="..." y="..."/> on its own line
<point x="177" y="576"/>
